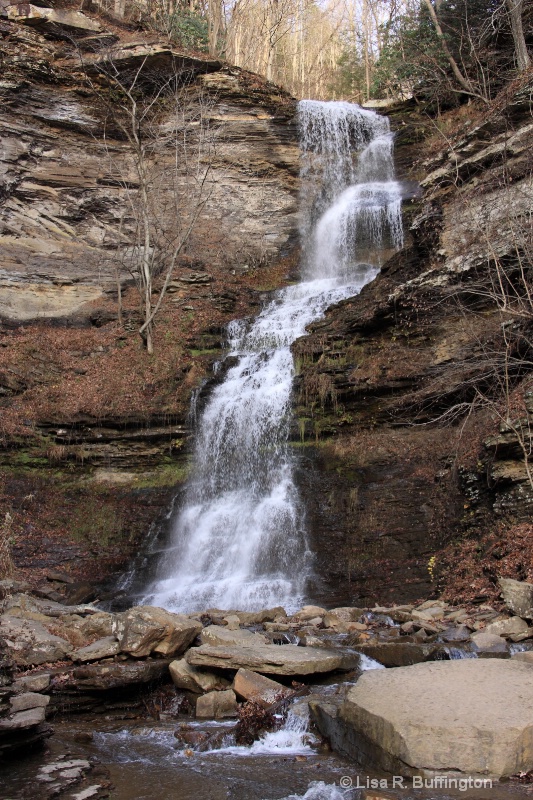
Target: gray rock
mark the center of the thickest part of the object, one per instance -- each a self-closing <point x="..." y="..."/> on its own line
<point x="23" y="702"/>
<point x="518" y="596"/>
<point x="526" y="657"/>
<point x="459" y="634"/>
<point x="489" y="644"/>
<point x="30" y="643"/>
<point x="32" y="683"/>
<point x="464" y="716"/>
<point x="397" y="654"/>
<point x="23" y="720"/>
<point x="273" y="659"/>
<point x="217" y="635"/>
<point x="216" y="705"/>
<point x="102" y="648"/>
<point x="506" y="627"/>
<point x="187" y="677"/>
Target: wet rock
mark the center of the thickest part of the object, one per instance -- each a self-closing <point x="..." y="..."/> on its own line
<point x="525" y="657"/>
<point x="23" y="702"/>
<point x="30" y="643"/>
<point x="146" y="629"/>
<point x="102" y="677"/>
<point x="187" y="677"/>
<point x="507" y="627"/>
<point x="489" y="645"/>
<point x="192" y="738"/>
<point x="518" y="597"/>
<point x="253" y="686"/>
<point x="273" y="659"/>
<point x="397" y="654"/>
<point x="469" y="716"/>
<point x="459" y="634"/>
<point x="216" y="635"/>
<point x="81" y="592"/>
<point x="217" y="705"/>
<point x="102" y="648"/>
<point x="23" y="719"/>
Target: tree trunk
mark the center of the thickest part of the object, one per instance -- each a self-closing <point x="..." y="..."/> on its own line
<point x="461" y="79"/>
<point x="523" y="59"/>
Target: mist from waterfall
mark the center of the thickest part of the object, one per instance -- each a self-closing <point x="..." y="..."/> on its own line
<point x="239" y="540"/>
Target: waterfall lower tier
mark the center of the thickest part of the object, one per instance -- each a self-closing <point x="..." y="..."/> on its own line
<point x="239" y="540"/>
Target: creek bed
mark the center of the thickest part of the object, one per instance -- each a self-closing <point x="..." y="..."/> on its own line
<point x="146" y="762"/>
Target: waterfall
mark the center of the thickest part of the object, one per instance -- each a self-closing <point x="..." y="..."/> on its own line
<point x="239" y="541"/>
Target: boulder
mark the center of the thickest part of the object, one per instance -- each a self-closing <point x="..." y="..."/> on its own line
<point x="23" y="719"/>
<point x="233" y="622"/>
<point x="428" y="614"/>
<point x="258" y="617"/>
<point x="217" y="635"/>
<point x="309" y="612"/>
<point x="469" y="716"/>
<point x="346" y="613"/>
<point x="272" y="659"/>
<point x="30" y="643"/>
<point x="489" y="645"/>
<point x="102" y="677"/>
<point x="507" y="627"/>
<point x="526" y="657"/>
<point x="397" y="654"/>
<point x="216" y="705"/>
<point x="97" y="625"/>
<point x="253" y="686"/>
<point x="23" y="702"/>
<point x="518" y="596"/>
<point x="184" y="676"/>
<point x="102" y="648"/>
<point x="146" y="629"/>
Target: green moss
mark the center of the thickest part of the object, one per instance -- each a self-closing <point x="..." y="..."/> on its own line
<point x="207" y="352"/>
<point x="166" y="476"/>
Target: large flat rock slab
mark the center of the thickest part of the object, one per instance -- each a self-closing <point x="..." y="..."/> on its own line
<point x="273" y="659"/>
<point x="475" y="717"/>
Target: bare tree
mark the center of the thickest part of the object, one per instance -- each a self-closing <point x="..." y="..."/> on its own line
<point x="515" y="8"/>
<point x="164" y="174"/>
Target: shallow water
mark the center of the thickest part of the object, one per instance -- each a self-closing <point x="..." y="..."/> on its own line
<point x="146" y="762"/>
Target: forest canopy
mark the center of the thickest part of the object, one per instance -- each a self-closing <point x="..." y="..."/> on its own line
<point x="441" y="50"/>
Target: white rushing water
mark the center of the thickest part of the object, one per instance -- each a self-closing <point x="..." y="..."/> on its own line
<point x="239" y="540"/>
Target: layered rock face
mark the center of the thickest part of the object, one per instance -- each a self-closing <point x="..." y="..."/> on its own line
<point x="67" y="171"/>
<point x="412" y="432"/>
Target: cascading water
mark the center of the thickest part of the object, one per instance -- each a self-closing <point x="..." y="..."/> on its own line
<point x="239" y="541"/>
